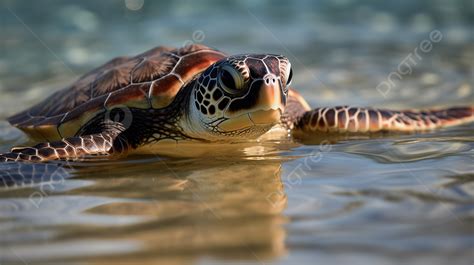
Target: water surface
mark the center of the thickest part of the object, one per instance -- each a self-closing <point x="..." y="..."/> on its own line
<point x="400" y="199"/>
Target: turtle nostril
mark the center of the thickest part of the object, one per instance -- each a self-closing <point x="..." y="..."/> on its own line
<point x="270" y="79"/>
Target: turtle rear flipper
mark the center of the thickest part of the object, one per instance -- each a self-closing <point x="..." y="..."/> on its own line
<point x="369" y="120"/>
<point x="72" y="148"/>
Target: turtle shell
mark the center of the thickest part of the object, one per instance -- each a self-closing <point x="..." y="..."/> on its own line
<point x="149" y="80"/>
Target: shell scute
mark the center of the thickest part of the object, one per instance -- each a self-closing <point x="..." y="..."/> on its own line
<point x="163" y="91"/>
<point x="112" y="79"/>
<point x="150" y="78"/>
<point x="153" y="68"/>
<point x="136" y="95"/>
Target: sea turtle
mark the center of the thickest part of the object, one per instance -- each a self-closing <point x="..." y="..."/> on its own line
<point x="193" y="94"/>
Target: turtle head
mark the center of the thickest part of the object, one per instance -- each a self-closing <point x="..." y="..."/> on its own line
<point x="239" y="97"/>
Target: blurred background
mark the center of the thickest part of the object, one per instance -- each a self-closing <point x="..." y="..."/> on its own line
<point x="400" y="200"/>
<point x="341" y="50"/>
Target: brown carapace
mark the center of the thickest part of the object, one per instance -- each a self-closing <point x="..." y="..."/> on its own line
<point x="193" y="94"/>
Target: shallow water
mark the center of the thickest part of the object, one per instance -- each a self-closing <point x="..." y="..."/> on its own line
<point x="399" y="199"/>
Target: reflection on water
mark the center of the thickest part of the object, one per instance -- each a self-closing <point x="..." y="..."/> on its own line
<point x="386" y="199"/>
<point x="162" y="210"/>
<point x="410" y="202"/>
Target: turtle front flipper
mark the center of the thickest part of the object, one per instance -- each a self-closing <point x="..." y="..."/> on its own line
<point x="72" y="148"/>
<point x="369" y="120"/>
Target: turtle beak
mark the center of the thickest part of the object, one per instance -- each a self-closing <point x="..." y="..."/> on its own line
<point x="268" y="111"/>
<point x="270" y="101"/>
<point x="271" y="95"/>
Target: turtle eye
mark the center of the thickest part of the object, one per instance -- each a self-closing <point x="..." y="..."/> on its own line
<point x="289" y="76"/>
<point x="231" y="80"/>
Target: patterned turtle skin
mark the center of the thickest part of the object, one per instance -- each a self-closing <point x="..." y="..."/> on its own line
<point x="193" y="94"/>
